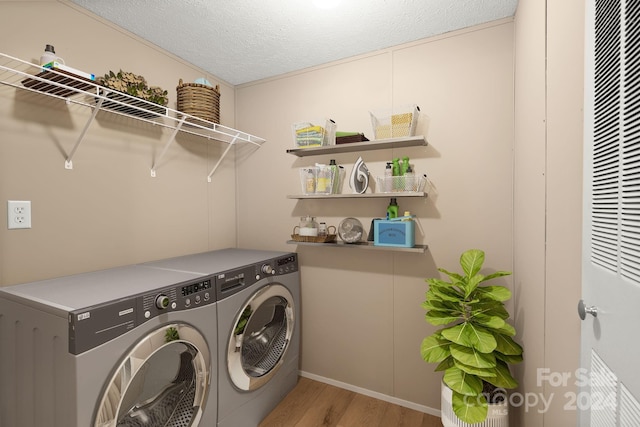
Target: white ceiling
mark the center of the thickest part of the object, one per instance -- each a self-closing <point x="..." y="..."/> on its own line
<point x="241" y="41"/>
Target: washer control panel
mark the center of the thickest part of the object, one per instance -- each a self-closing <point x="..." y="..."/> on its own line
<point x="92" y="326"/>
<point x="180" y="297"/>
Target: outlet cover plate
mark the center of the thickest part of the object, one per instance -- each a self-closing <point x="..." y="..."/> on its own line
<point x="18" y="214"/>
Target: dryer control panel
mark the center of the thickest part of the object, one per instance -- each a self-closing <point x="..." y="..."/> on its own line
<point x="92" y="326"/>
<point x="233" y="281"/>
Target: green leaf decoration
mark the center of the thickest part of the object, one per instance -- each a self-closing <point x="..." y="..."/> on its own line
<point x="470" y="409"/>
<point x="462" y="382"/>
<point x="497" y="293"/>
<point x="453" y="276"/>
<point x="445" y="364"/>
<point x="493" y="322"/>
<point x="437" y="318"/>
<point x="472" y="284"/>
<point x="471" y="261"/>
<point x="472" y="357"/>
<point x="171" y="334"/>
<point x="473" y="370"/>
<point x="440" y="305"/>
<point x="470" y="335"/>
<point x="435" y="349"/>
<point x="506" y="345"/>
<point x="447" y="294"/>
<point x="496" y="275"/>
<point x="508" y="358"/>
<point x="507" y="329"/>
<point x="503" y="377"/>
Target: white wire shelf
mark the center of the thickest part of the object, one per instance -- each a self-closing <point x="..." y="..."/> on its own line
<point x="77" y="90"/>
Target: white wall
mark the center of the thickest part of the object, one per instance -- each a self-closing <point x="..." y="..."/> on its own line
<point x="362" y="323"/>
<point x="107" y="211"/>
<point x="548" y="190"/>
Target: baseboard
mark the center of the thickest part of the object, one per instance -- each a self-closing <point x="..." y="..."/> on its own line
<point x="374" y="394"/>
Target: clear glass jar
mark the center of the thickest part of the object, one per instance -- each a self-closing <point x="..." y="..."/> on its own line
<point x="308" y="226"/>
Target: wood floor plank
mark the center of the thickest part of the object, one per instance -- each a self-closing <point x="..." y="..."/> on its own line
<point x="399" y="416"/>
<point x="328" y="408"/>
<point x="295" y="404"/>
<point x="316" y="404"/>
<point x="363" y="411"/>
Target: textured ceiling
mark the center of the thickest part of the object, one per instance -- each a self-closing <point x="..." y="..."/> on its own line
<point x="241" y="41"/>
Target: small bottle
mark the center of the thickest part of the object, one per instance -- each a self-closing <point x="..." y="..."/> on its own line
<point x="49" y="55"/>
<point x="405" y="165"/>
<point x="309" y="181"/>
<point x="335" y="176"/>
<point x="388" y="178"/>
<point x="409" y="180"/>
<point x="392" y="209"/>
<point x="323" y="182"/>
<point x="322" y="229"/>
<point x="396" y="172"/>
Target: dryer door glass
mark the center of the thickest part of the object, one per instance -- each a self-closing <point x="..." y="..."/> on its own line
<point x="161" y="382"/>
<point x="261" y="337"/>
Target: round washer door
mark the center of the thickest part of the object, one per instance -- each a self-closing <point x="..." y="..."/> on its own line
<point x="260" y="337"/>
<point x="162" y="381"/>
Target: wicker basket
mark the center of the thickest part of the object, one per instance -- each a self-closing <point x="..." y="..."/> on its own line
<point x="199" y="100"/>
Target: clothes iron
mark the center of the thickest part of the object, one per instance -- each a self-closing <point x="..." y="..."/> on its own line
<point x="359" y="180"/>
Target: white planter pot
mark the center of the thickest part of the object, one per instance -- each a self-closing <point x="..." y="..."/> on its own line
<point x="497" y="415"/>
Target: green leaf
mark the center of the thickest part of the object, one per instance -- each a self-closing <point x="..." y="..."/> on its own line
<point x="472" y="284"/>
<point x="491" y="308"/>
<point x="496" y="274"/>
<point x="503" y="377"/>
<point x="497" y="293"/>
<point x="474" y="370"/>
<point x="493" y="322"/>
<point x="453" y="276"/>
<point x="472" y="357"/>
<point x="516" y="358"/>
<point x="446" y="294"/>
<point x="445" y="364"/>
<point x="470" y="335"/>
<point x="437" y="318"/>
<point x="435" y="349"/>
<point x="438" y="304"/>
<point x="471" y="262"/>
<point x="461" y="382"/>
<point x="470" y="409"/>
<point x="507" y="329"/>
<point x="506" y="345"/>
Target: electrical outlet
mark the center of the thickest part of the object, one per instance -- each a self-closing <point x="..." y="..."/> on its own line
<point x="18" y="214"/>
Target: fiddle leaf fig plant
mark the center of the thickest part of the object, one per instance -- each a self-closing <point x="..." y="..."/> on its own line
<point x="475" y="345"/>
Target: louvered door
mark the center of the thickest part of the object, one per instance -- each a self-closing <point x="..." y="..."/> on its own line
<point x="610" y="379"/>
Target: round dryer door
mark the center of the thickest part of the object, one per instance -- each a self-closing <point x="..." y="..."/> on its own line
<point x="161" y="382"/>
<point x="260" y="337"/>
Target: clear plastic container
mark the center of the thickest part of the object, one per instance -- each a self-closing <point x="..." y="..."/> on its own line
<point x="314" y="133"/>
<point x="395" y="122"/>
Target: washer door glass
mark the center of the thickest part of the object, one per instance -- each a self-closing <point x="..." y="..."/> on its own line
<point x="260" y="337"/>
<point x="163" y="381"/>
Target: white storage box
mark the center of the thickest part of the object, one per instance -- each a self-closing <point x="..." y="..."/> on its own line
<point x="396" y="184"/>
<point x="314" y="133"/>
<point x="395" y="123"/>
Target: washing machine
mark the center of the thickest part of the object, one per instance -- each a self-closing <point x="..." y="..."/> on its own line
<point x="258" y="320"/>
<point x="129" y="346"/>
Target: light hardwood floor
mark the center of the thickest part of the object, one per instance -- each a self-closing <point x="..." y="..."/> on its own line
<point x="312" y="403"/>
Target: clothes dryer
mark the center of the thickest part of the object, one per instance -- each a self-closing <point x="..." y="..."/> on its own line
<point x="258" y="328"/>
<point x="129" y="346"/>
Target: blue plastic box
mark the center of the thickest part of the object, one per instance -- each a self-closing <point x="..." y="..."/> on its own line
<point x="399" y="233"/>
